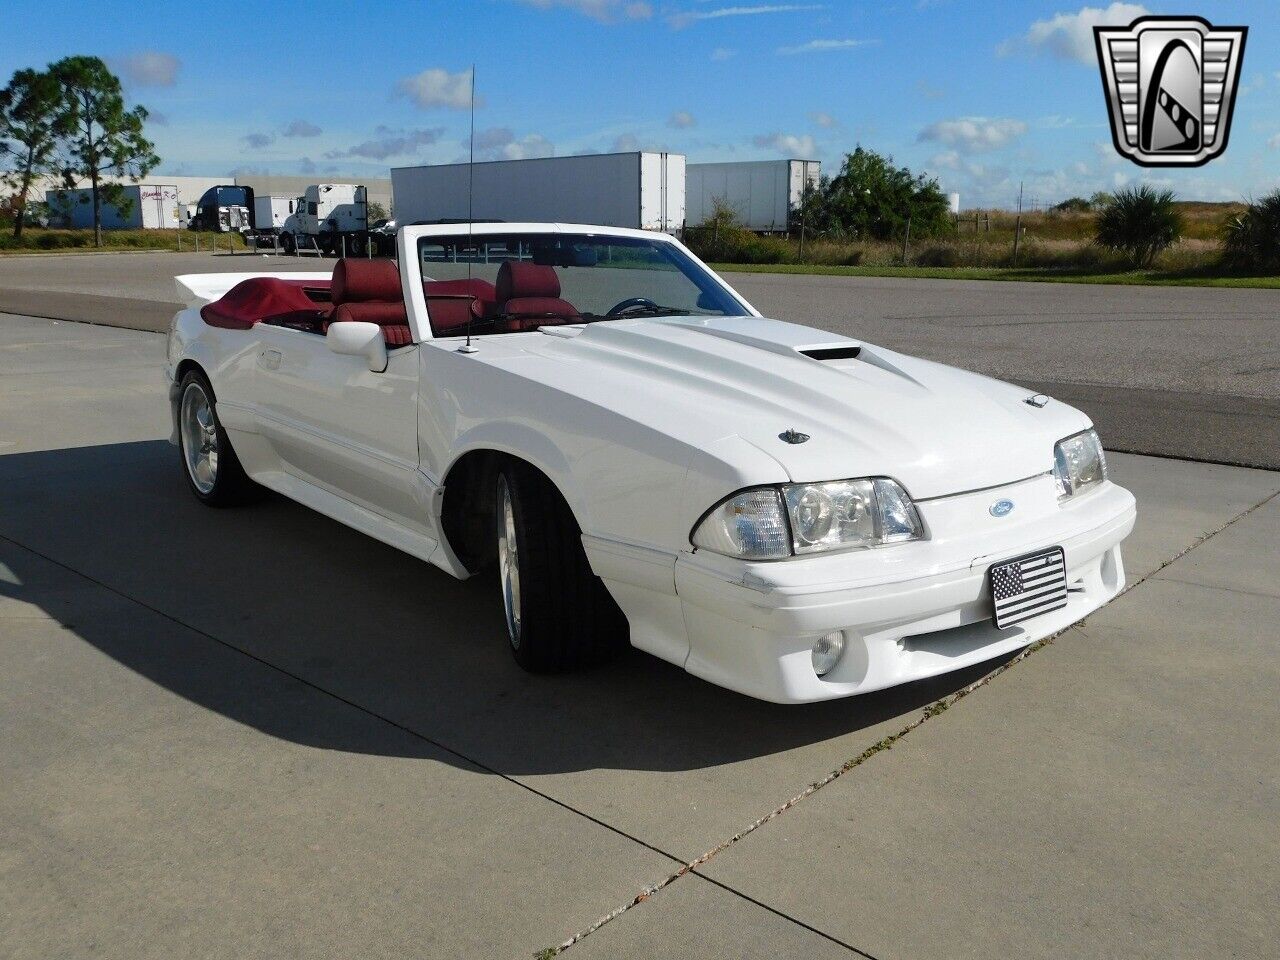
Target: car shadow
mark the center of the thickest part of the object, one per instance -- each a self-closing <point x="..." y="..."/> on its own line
<point x="322" y="605"/>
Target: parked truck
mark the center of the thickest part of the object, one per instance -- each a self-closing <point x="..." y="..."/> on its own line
<point x="332" y="218"/>
<point x="226" y="208"/>
<point x="638" y="190"/>
<point x="143" y="206"/>
<point x="270" y="213"/>
<point x="762" y="193"/>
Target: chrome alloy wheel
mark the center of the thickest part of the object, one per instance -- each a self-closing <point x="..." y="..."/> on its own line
<point x="509" y="562"/>
<point x="199" y="438"/>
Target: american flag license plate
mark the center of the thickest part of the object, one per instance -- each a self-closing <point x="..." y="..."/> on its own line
<point x="1029" y="586"/>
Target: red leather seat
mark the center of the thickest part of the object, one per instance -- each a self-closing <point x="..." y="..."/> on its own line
<point x="452" y="304"/>
<point x="534" y="289"/>
<point x="370" y="291"/>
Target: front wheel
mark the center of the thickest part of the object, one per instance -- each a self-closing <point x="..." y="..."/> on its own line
<point x="209" y="463"/>
<point x="288" y="244"/>
<point x="559" y="615"/>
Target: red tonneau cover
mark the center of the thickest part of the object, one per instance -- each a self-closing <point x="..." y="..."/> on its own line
<point x="264" y="298"/>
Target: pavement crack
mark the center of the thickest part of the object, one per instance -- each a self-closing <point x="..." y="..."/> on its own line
<point x="928" y="713"/>
<point x="934" y="709"/>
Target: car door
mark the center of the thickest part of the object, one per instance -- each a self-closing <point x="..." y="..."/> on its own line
<point x="335" y="424"/>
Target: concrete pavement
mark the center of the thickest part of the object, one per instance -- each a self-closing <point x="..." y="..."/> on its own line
<point x="1192" y="372"/>
<point x="256" y="733"/>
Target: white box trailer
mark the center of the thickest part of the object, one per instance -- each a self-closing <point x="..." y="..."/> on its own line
<point x="761" y="192"/>
<point x="147" y="206"/>
<point x="270" y="213"/>
<point x="639" y="190"/>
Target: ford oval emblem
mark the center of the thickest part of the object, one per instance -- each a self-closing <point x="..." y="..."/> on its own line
<point x="1002" y="508"/>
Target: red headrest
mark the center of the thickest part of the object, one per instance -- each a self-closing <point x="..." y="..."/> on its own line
<point x="474" y="287"/>
<point x="356" y="281"/>
<point x="519" y="279"/>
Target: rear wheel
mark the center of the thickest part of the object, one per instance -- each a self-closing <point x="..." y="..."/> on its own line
<point x="558" y="613"/>
<point x="209" y="463"/>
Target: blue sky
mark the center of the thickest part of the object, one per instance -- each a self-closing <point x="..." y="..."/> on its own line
<point x="980" y="94"/>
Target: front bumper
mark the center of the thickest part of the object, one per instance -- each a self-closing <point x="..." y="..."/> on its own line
<point x="908" y="611"/>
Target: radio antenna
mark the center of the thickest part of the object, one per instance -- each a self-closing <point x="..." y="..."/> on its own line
<point x="471" y="189"/>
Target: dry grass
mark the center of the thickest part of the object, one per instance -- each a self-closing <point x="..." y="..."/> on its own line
<point x="40" y="239"/>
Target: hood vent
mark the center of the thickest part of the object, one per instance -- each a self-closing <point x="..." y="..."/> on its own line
<point x="833" y="353"/>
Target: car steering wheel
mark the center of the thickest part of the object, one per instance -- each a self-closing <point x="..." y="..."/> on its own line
<point x="627" y="304"/>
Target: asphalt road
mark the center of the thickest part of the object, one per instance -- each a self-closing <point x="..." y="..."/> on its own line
<point x="255" y="733"/>
<point x="1189" y="372"/>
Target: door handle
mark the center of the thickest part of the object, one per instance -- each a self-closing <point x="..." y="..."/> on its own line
<point x="269" y="359"/>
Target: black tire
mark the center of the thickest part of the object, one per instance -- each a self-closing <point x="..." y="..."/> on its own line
<point x="288" y="244"/>
<point x="565" y="617"/>
<point x="355" y="245"/>
<point x="227" y="484"/>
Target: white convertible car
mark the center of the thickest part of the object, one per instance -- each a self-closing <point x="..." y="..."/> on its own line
<point x="790" y="513"/>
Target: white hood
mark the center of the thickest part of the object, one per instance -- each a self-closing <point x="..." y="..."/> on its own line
<point x="936" y="429"/>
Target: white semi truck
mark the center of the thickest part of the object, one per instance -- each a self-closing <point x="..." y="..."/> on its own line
<point x="762" y="193"/>
<point x="332" y="218"/>
<point x="643" y="190"/>
<point x="270" y="213"/>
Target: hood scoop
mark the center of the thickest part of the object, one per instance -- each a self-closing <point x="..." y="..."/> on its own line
<point x="849" y="352"/>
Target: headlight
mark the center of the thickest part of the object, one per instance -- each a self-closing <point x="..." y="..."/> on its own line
<point x="770" y="523"/>
<point x="1078" y="463"/>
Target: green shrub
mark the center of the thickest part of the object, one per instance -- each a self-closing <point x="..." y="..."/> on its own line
<point x="1073" y="205"/>
<point x="1251" y="241"/>
<point x="1139" y="223"/>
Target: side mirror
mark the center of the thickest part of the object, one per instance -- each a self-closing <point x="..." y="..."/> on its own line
<point x="355" y="338"/>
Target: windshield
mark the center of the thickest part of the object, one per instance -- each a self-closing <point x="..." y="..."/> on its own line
<point x="508" y="283"/>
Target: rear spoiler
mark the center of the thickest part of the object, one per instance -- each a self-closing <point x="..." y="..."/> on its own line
<point x="197" y="289"/>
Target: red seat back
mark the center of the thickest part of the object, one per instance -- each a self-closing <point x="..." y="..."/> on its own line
<point x="532" y="288"/>
<point x="358" y="281"/>
<point x="452" y="304"/>
<point x="369" y="291"/>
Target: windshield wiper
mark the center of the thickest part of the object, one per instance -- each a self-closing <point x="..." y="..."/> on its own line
<point x="642" y="311"/>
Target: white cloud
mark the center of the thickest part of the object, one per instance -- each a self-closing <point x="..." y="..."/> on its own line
<point x="720" y="54"/>
<point x="824" y="120"/>
<point x="302" y="128"/>
<point x="681" y="120"/>
<point x="389" y="143"/>
<point x="527" y="147"/>
<point x="500" y="143"/>
<point x="689" y="17"/>
<point x="1274" y="142"/>
<point x="1070" y="35"/>
<point x="630" y="143"/>
<point x="438" y="88"/>
<point x="974" y="133"/>
<point x="606" y="11"/>
<point x="149" y="68"/>
<point x="788" y="144"/>
<point x="257" y="141"/>
<point x="948" y="159"/>
<point x="824" y="46"/>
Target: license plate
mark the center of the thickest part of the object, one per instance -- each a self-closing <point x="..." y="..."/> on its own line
<point x="1028" y="586"/>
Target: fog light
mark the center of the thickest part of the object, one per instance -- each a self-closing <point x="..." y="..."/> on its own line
<point x="826" y="652"/>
